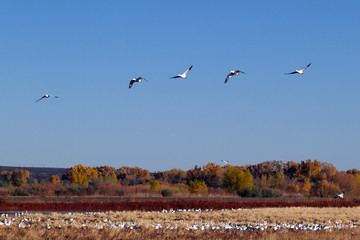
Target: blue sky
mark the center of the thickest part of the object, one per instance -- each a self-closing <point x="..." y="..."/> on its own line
<point x="86" y="52"/>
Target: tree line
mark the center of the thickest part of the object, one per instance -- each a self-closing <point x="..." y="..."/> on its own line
<point x="267" y="179"/>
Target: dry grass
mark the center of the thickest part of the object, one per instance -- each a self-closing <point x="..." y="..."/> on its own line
<point x="245" y="216"/>
<point x="183" y="219"/>
<point x="76" y="233"/>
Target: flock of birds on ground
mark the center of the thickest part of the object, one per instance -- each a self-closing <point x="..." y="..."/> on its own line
<point x="184" y="76"/>
<point x="50" y="221"/>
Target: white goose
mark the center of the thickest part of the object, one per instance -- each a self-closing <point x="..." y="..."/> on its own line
<point x="301" y="71"/>
<point x="184" y="75"/>
<point x="225" y="162"/>
<point x="341" y="195"/>
<point x="232" y="73"/>
<point x="46" y="96"/>
<point x="139" y="80"/>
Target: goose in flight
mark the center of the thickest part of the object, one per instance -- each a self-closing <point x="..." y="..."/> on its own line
<point x="301" y="71"/>
<point x="139" y="80"/>
<point x="341" y="195"/>
<point x="46" y="96"/>
<point x="184" y="74"/>
<point x="225" y="162"/>
<point x="232" y="73"/>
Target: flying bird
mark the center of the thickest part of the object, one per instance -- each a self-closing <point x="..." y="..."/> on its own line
<point x="225" y="162"/>
<point x="341" y="195"/>
<point x="301" y="71"/>
<point x="184" y="74"/>
<point x="46" y="96"/>
<point x="139" y="80"/>
<point x="232" y="73"/>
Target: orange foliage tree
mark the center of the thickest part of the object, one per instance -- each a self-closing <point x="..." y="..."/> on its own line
<point x="17" y="177"/>
<point x="133" y="176"/>
<point x="213" y="175"/>
<point x="55" y="179"/>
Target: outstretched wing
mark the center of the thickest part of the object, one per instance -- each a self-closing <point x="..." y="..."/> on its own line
<point x="131" y="83"/>
<point x="306" y="66"/>
<point x="175" y="77"/>
<point x="187" y="70"/>
<point x="40" y="99"/>
<point x="228" y="77"/>
<point x="291" y="73"/>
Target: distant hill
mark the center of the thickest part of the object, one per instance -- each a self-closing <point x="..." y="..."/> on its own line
<point x="41" y="173"/>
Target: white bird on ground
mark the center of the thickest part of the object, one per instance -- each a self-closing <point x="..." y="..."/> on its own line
<point x="184" y="75"/>
<point x="341" y="195"/>
<point x="232" y="73"/>
<point x="225" y="162"/>
<point x="301" y="71"/>
<point x="46" y="96"/>
<point x="139" y="80"/>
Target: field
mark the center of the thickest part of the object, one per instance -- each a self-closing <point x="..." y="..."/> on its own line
<point x="180" y="224"/>
<point x="83" y="204"/>
<point x="283" y="220"/>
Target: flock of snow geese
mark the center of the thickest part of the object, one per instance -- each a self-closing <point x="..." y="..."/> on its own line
<point x="72" y="220"/>
<point x="184" y="76"/>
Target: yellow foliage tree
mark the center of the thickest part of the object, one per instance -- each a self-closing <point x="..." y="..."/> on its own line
<point x="20" y="177"/>
<point x="306" y="187"/>
<point x="55" y="179"/>
<point x="81" y="175"/>
<point x="236" y="179"/>
<point x="197" y="187"/>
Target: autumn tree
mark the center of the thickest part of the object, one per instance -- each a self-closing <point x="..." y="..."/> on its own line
<point x="17" y="177"/>
<point x="348" y="183"/>
<point x="310" y="170"/>
<point x="107" y="174"/>
<point x="194" y="174"/>
<point x="305" y="189"/>
<point x="197" y="186"/>
<point x="154" y="186"/>
<point x="55" y="179"/>
<point x="81" y="175"/>
<point x="236" y="179"/>
<point x="326" y="189"/>
<point x="212" y="175"/>
<point x="175" y="176"/>
<point x="133" y="176"/>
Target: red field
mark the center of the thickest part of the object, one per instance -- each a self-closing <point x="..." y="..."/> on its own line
<point x="157" y="204"/>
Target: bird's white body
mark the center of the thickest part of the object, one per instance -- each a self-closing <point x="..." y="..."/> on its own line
<point x="184" y="74"/>
<point x="232" y="73"/>
<point x="46" y="96"/>
<point x="341" y="195"/>
<point x="134" y="80"/>
<point x="301" y="71"/>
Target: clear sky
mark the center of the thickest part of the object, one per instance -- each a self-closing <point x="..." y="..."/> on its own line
<point x="86" y="52"/>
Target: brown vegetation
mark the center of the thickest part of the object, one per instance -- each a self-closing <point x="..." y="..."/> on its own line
<point x="268" y="179"/>
<point x="183" y="219"/>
